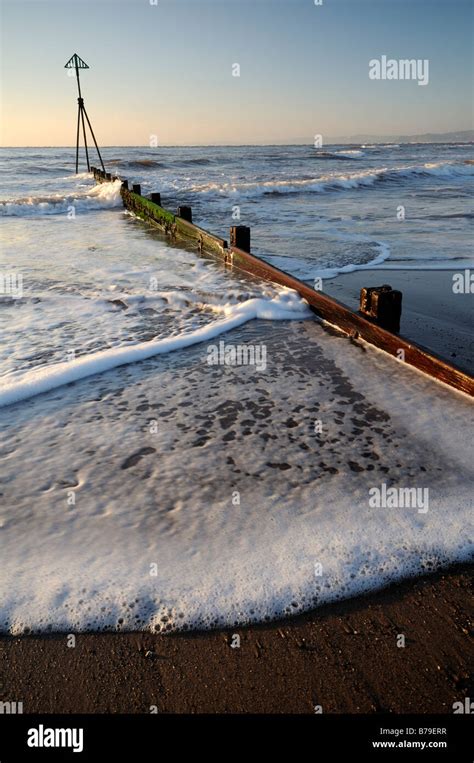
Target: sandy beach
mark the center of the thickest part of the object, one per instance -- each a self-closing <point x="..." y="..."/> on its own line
<point x="343" y="658"/>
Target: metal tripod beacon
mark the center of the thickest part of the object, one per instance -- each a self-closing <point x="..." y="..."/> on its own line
<point x="75" y="62"/>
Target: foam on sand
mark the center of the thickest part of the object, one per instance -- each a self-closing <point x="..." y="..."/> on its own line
<point x="119" y="505"/>
<point x="287" y="305"/>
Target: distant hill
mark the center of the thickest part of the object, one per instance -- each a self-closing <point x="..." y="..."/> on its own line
<point x="462" y="136"/>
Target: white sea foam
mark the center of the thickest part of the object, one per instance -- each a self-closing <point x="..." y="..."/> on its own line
<point x="79" y="176"/>
<point x="353" y="154"/>
<point x="383" y="254"/>
<point x="307" y="269"/>
<point x="154" y="539"/>
<point x="97" y="197"/>
<point x="285" y="306"/>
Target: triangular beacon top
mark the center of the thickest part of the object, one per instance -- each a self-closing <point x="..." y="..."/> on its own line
<point x="76" y="61"/>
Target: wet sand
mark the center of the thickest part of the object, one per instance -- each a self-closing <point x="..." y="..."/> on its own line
<point x="432" y="314"/>
<point x="343" y="658"/>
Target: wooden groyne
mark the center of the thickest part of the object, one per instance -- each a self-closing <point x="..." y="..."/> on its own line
<point x="237" y="255"/>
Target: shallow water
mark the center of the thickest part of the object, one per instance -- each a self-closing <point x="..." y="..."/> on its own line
<point x="172" y="493"/>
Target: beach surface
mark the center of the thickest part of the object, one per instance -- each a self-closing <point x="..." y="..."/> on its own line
<point x="340" y="658"/>
<point x="345" y="657"/>
<point x="176" y="493"/>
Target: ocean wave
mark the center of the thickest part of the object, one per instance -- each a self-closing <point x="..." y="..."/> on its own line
<point x="337" y="155"/>
<point x="198" y="160"/>
<point x="42" y="169"/>
<point x="151" y="164"/>
<point x="136" y="164"/>
<point x="352" y="154"/>
<point x="328" y="183"/>
<point x="143" y="164"/>
<point x="97" y="197"/>
<point x="453" y="216"/>
<point x="381" y="145"/>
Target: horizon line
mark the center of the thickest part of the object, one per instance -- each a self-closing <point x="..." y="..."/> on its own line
<point x="253" y="145"/>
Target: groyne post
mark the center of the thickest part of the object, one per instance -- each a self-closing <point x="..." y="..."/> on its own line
<point x="185" y="213"/>
<point x="383" y="304"/>
<point x="240" y="237"/>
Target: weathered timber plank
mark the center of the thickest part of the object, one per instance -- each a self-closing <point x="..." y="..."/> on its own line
<point x="171" y="224"/>
<point x="205" y="241"/>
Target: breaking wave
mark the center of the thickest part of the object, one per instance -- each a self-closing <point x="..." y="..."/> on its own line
<point x="97" y="197"/>
<point x="328" y="183"/>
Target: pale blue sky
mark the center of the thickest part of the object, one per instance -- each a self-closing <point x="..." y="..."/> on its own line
<point x="166" y="69"/>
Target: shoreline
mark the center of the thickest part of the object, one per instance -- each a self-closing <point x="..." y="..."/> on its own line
<point x="341" y="658"/>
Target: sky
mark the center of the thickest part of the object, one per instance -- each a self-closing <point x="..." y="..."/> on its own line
<point x="165" y="68"/>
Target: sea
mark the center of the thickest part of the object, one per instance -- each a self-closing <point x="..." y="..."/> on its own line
<point x="144" y="486"/>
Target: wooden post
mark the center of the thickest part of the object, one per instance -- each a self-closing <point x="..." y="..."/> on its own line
<point x="185" y="213"/>
<point x="156" y="198"/>
<point x="108" y="176"/>
<point x="136" y="188"/>
<point x="240" y="237"/>
<point x="383" y="304"/>
<point x="125" y="184"/>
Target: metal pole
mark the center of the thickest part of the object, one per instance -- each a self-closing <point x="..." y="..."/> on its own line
<point x="84" y="133"/>
<point x="79" y="114"/>
<point x="77" y="137"/>
<point x="93" y="136"/>
<point x="78" y="83"/>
